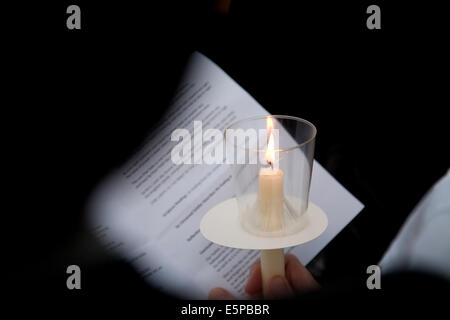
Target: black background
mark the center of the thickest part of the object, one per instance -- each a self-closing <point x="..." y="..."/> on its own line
<point x="77" y="102"/>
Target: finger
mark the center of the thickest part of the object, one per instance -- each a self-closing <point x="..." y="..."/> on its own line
<point x="254" y="282"/>
<point x="298" y="276"/>
<point x="219" y="294"/>
<point x="278" y="288"/>
<point x="254" y="265"/>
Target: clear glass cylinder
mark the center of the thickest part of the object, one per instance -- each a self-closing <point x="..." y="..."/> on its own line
<point x="272" y="159"/>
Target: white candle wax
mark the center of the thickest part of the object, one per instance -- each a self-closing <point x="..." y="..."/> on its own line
<point x="270" y="194"/>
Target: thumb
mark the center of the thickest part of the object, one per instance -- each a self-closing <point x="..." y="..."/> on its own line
<point x="278" y="288"/>
<point x="220" y="294"/>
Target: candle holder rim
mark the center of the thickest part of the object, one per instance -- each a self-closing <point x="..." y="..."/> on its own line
<point x="276" y="117"/>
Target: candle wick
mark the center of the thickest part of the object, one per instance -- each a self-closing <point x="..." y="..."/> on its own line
<point x="270" y="163"/>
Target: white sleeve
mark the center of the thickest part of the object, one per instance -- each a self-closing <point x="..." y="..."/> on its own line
<point x="423" y="243"/>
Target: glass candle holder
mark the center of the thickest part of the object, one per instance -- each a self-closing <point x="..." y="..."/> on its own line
<point x="272" y="159"/>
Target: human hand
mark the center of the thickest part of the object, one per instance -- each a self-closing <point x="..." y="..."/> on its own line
<point x="297" y="280"/>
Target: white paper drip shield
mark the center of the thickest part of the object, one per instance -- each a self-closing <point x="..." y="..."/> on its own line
<point x="222" y="226"/>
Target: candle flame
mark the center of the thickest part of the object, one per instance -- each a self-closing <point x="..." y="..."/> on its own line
<point x="270" y="152"/>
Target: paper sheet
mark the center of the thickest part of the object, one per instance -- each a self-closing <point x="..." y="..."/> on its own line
<point x="149" y="210"/>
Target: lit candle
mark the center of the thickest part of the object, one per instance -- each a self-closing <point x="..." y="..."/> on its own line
<point x="270" y="199"/>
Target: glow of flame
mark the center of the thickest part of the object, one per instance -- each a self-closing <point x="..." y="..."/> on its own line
<point x="270" y="152"/>
<point x="269" y="126"/>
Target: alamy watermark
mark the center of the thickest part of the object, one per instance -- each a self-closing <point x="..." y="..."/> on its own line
<point x="73" y="21"/>
<point x="374" y="280"/>
<point x="213" y="146"/>
<point x="74" y="280"/>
